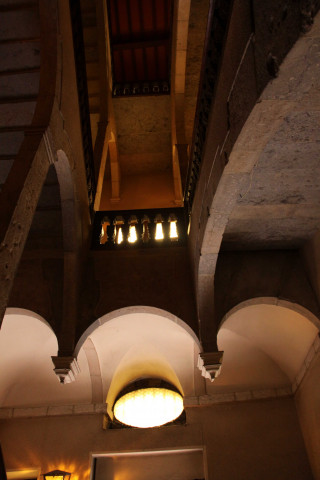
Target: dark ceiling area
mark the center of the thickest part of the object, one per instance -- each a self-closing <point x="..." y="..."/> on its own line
<point x="140" y="38"/>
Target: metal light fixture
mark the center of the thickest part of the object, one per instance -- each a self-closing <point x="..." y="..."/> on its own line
<point x="57" y="475"/>
<point x="105" y="223"/>
<point x="148" y="406"/>
<point x="145" y="229"/>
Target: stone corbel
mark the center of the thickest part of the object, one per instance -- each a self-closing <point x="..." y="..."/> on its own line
<point x="209" y="363"/>
<point x="66" y="368"/>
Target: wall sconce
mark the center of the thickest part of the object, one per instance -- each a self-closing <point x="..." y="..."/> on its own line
<point x="132" y="237"/>
<point x="148" y="403"/>
<point x="118" y="234"/>
<point x="145" y="229"/>
<point x="173" y="234"/>
<point x="56" y="475"/>
<point x="159" y="229"/>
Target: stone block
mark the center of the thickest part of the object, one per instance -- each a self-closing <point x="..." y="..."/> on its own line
<point x="30" y="412"/>
<point x="243" y="396"/>
<point x="84" y="408"/>
<point x="6" y="413"/>
<point x="190" y="401"/>
<point x="61" y="410"/>
<point x="265" y="393"/>
<point x="100" y="408"/>
<point x="283" y="392"/>
<point x="223" y="398"/>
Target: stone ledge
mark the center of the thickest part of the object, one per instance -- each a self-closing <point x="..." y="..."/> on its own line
<point x="241" y="396"/>
<point x="52" y="411"/>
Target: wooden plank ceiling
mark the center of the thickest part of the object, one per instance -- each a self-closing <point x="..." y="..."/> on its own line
<point x="140" y="38"/>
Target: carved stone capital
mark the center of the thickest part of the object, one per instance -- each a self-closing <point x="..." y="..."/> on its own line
<point x="66" y="368"/>
<point x="209" y="363"/>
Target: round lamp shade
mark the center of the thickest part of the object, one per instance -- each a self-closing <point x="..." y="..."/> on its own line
<point x="148" y="407"/>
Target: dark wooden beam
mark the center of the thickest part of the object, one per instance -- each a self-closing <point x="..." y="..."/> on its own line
<point x="116" y="13"/>
<point x="162" y="40"/>
<point x="5" y="41"/>
<point x="91" y="78"/>
<point x="141" y="16"/>
<point x="48" y="208"/>
<point x="134" y="63"/>
<point x="129" y="17"/>
<point x="18" y="6"/>
<point x="154" y="16"/>
<point x="18" y="99"/>
<point x="4" y="157"/>
<point x="123" y="69"/>
<point x="13" y="128"/>
<point x="18" y="71"/>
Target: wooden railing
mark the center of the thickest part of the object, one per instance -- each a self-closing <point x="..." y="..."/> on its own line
<point x="79" y="56"/>
<point x="217" y="26"/>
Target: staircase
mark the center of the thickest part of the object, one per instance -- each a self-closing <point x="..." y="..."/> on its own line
<point x="19" y="76"/>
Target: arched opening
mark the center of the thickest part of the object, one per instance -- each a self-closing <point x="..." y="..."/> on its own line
<point x="27" y="343"/>
<point x="139" y="342"/>
<point x="266" y="342"/>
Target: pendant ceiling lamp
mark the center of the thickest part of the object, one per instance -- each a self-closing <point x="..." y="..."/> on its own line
<point x="57" y="475"/>
<point x="148" y="406"/>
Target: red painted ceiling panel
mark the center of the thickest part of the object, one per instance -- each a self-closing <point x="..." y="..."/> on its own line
<point x="140" y="37"/>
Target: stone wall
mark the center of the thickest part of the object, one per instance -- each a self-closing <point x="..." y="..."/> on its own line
<point x="251" y="440"/>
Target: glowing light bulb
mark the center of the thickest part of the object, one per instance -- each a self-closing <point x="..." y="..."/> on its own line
<point x="173" y="231"/>
<point x="132" y="234"/>
<point x="119" y="236"/>
<point x="159" y="231"/>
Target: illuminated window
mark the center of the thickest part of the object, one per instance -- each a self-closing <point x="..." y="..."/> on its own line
<point x="159" y="229"/>
<point x="118" y="230"/>
<point x="173" y="234"/>
<point x="132" y="237"/>
<point x="132" y="234"/>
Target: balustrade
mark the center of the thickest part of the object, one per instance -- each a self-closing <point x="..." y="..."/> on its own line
<point x="140" y="228"/>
